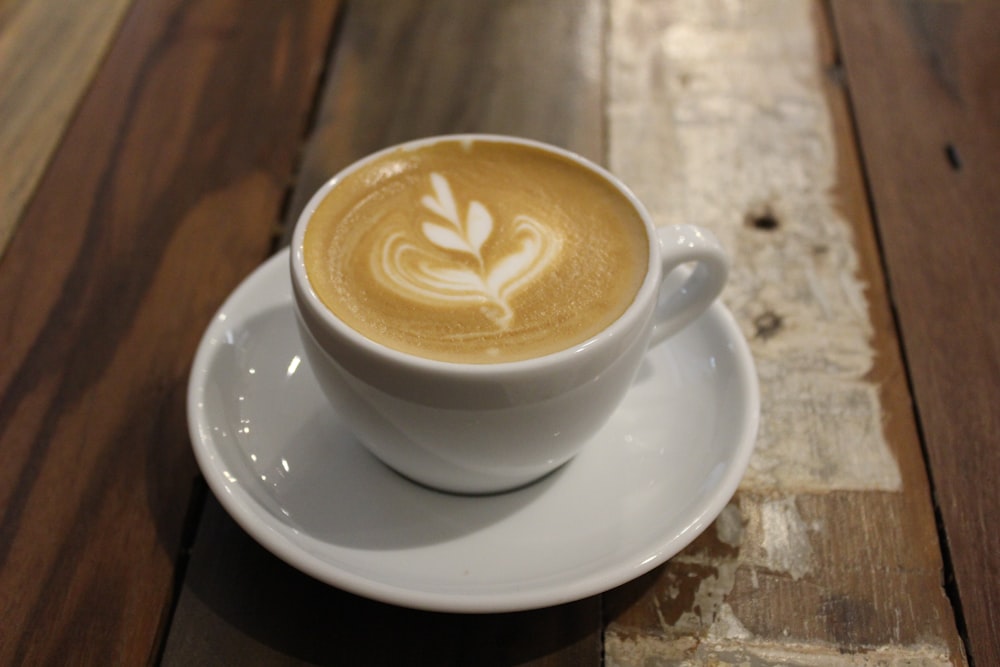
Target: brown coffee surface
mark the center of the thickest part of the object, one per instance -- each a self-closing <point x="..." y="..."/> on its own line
<point x="475" y="252"/>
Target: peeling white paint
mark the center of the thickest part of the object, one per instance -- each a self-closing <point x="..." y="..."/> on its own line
<point x="729" y="526"/>
<point x="690" y="652"/>
<point x="786" y="538"/>
<point x="706" y="612"/>
<point x="777" y="538"/>
<point x="727" y="626"/>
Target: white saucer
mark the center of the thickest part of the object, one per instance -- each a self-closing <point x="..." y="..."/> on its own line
<point x="288" y="471"/>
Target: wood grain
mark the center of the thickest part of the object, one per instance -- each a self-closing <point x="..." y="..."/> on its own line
<point x="49" y="51"/>
<point x="923" y="81"/>
<point x="401" y="70"/>
<point x="409" y="69"/>
<point x="162" y="195"/>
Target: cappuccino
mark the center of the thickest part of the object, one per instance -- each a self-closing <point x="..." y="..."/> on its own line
<point x="475" y="251"/>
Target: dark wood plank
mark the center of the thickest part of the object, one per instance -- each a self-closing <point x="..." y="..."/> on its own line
<point x="409" y="69"/>
<point x="162" y="195"/>
<point x="923" y="80"/>
<point x="241" y="606"/>
<point x="401" y="70"/>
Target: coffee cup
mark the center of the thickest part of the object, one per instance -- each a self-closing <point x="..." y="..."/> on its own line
<point x="475" y="307"/>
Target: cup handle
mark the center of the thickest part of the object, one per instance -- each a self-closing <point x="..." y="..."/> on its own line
<point x="680" y="245"/>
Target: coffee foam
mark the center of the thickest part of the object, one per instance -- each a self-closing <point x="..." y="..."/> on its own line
<point x="464" y="274"/>
<point x="475" y="252"/>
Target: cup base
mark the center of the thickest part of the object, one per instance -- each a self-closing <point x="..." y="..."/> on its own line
<point x="470" y="451"/>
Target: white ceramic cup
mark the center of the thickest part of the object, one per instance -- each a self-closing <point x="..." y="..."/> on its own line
<point x="484" y="428"/>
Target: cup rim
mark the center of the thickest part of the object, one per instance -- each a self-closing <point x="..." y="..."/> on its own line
<point x="626" y="321"/>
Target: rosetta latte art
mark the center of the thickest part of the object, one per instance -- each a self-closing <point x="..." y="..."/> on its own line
<point x="448" y="265"/>
<point x="476" y="252"/>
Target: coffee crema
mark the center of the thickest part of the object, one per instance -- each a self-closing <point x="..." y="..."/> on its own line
<point x="475" y="252"/>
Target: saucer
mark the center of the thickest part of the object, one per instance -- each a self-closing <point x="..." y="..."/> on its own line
<point x="289" y="472"/>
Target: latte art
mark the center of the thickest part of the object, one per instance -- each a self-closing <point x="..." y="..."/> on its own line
<point x="448" y="265"/>
<point x="475" y="252"/>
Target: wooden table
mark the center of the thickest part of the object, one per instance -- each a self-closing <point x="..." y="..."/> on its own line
<point x="155" y="151"/>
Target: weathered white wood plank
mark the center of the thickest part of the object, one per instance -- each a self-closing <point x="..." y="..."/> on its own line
<point x="719" y="114"/>
<point x="717" y="117"/>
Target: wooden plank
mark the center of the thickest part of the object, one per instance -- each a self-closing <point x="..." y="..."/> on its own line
<point x="923" y="81"/>
<point x="828" y="553"/>
<point x="402" y="70"/>
<point x="241" y="605"/>
<point x="49" y="51"/>
<point x="162" y="195"/>
<point x="405" y="70"/>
